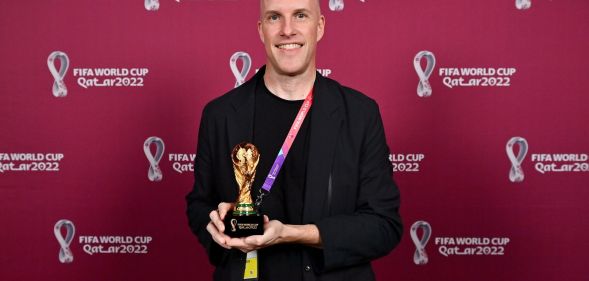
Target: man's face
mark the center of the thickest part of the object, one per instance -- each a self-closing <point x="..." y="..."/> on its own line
<point x="290" y="30"/>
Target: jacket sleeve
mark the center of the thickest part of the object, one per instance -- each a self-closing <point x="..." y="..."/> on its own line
<point x="375" y="227"/>
<point x="203" y="198"/>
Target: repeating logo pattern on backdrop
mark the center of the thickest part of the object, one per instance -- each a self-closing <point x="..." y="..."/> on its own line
<point x="406" y="162"/>
<point x="453" y="77"/>
<point x="523" y="4"/>
<point x="420" y="256"/>
<point x="65" y="254"/>
<point x="97" y="244"/>
<point x="424" y="89"/>
<point x="448" y="246"/>
<point x="543" y="162"/>
<point x="334" y="5"/>
<point x="240" y="75"/>
<point x="154" y="173"/>
<point x="30" y="162"/>
<point x="516" y="174"/>
<point x="338" y="5"/>
<point x="152" y="5"/>
<point x="180" y="162"/>
<point x="439" y="74"/>
<point x="59" y="89"/>
<point x="92" y="77"/>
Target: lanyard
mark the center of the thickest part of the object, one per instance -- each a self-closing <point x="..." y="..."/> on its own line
<point x="292" y="133"/>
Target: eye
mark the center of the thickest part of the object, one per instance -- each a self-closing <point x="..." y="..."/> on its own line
<point x="273" y="17"/>
<point x="300" y="15"/>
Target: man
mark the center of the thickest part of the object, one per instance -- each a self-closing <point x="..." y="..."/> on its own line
<point x="333" y="207"/>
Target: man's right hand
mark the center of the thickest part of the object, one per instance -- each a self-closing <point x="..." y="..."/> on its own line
<point x="216" y="225"/>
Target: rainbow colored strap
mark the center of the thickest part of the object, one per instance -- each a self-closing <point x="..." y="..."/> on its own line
<point x="292" y="134"/>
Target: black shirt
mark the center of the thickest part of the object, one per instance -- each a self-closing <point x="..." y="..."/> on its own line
<point x="272" y="121"/>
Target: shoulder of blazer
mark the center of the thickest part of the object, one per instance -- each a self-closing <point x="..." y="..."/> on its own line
<point x="233" y="100"/>
<point x="354" y="102"/>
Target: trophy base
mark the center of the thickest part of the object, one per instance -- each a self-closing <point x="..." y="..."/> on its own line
<point x="242" y="226"/>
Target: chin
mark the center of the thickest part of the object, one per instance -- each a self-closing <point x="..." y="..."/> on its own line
<point x="291" y="70"/>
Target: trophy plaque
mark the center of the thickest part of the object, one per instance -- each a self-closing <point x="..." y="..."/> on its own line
<point x="244" y="220"/>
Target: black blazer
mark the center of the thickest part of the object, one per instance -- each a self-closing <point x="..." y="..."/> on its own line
<point x="349" y="193"/>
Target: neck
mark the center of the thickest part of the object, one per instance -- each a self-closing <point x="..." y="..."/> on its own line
<point x="295" y="87"/>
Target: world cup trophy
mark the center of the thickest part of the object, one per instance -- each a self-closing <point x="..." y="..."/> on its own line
<point x="245" y="219"/>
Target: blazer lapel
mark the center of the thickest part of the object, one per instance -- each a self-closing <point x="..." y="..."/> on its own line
<point x="240" y="123"/>
<point x="326" y="121"/>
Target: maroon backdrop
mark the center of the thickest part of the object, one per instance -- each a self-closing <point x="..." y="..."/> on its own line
<point x="501" y="71"/>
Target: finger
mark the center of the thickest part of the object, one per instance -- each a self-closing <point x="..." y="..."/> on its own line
<point x="215" y="234"/>
<point x="224" y="208"/>
<point x="240" y="244"/>
<point x="266" y="219"/>
<point x="214" y="215"/>
<point x="216" y="219"/>
<point x="218" y="237"/>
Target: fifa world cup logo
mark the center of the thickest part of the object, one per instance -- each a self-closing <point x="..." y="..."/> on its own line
<point x="240" y="75"/>
<point x="154" y="173"/>
<point x="65" y="254"/>
<point x="420" y="256"/>
<point x="516" y="173"/>
<point x="59" y="89"/>
<point x="152" y="5"/>
<point x="424" y="89"/>
<point x="523" y="4"/>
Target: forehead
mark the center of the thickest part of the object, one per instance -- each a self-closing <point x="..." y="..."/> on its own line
<point x="288" y="5"/>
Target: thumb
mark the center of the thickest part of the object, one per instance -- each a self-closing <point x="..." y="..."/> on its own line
<point x="224" y="208"/>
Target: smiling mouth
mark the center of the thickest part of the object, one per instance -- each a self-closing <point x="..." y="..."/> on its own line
<point x="289" y="46"/>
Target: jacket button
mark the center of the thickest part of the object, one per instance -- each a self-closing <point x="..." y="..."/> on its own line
<point x="307" y="268"/>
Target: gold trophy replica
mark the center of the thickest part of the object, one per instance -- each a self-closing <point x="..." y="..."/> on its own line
<point x="244" y="220"/>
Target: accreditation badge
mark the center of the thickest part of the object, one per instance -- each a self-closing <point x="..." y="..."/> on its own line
<point x="251" y="266"/>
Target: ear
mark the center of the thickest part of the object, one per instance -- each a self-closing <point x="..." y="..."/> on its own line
<point x="260" y="31"/>
<point x="320" y="28"/>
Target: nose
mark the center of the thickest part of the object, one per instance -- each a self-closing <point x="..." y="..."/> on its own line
<point x="287" y="28"/>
